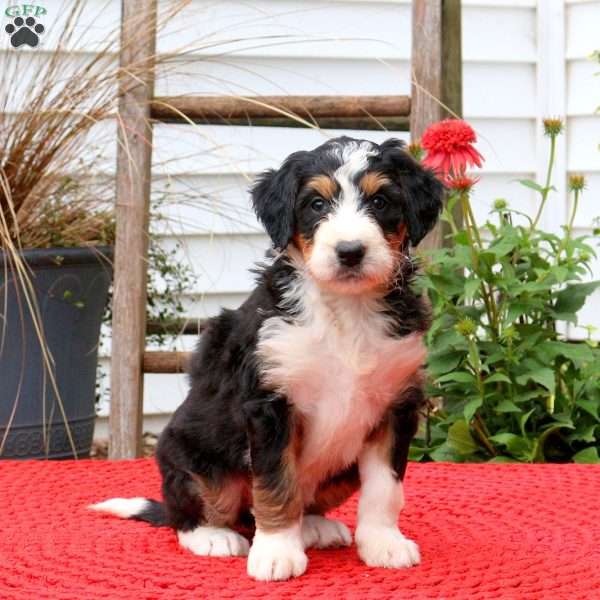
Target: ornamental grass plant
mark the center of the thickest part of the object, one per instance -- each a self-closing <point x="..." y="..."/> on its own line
<point x="507" y="382"/>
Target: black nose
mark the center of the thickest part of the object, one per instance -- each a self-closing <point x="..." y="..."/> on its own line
<point x="350" y="253"/>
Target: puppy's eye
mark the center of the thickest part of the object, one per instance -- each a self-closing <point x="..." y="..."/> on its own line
<point x="318" y="204"/>
<point x="379" y="202"/>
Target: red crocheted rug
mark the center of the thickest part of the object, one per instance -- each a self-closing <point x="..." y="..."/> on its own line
<point x="485" y="531"/>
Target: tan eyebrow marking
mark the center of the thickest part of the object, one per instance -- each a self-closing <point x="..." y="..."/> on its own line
<point x="371" y="182"/>
<point x="323" y="185"/>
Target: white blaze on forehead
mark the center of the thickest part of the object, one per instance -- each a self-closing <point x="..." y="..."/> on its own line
<point x="348" y="221"/>
<point x="355" y="158"/>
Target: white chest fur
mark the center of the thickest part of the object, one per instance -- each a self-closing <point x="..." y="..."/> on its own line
<point x="341" y="369"/>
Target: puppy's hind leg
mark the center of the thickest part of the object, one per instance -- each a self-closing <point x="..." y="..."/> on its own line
<point x="202" y="514"/>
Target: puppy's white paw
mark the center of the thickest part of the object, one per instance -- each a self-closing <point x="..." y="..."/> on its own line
<point x="276" y="556"/>
<point x="214" y="541"/>
<point x="319" y="532"/>
<point x="386" y="547"/>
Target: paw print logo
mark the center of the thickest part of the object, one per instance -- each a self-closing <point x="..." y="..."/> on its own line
<point x="24" y="31"/>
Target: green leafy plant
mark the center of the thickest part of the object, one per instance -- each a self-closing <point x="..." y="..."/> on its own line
<point x="506" y="383"/>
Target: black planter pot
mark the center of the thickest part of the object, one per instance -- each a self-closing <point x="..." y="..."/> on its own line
<point x="71" y="288"/>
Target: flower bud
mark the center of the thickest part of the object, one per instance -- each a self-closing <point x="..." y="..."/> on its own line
<point x="466" y="327"/>
<point x="576" y="182"/>
<point x="416" y="150"/>
<point x="553" y="127"/>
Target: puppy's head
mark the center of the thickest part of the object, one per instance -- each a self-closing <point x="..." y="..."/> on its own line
<point x="350" y="207"/>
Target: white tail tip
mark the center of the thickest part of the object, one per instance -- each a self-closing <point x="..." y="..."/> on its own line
<point x="121" y="507"/>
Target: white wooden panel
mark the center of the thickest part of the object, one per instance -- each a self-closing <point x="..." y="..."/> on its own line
<point x="222" y="263"/>
<point x="223" y="149"/>
<point x="242" y="75"/>
<point x="583" y="86"/>
<point x="508" y="145"/>
<point x="500" y="34"/>
<point x="201" y="306"/>
<point x="291" y="28"/>
<point x="204" y="204"/>
<point x="582" y="28"/>
<point x="583" y="139"/>
<point x="486" y="93"/>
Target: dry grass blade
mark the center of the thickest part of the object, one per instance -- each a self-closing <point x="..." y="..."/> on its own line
<point x="44" y="200"/>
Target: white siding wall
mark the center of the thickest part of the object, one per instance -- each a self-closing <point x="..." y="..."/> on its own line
<point x="523" y="60"/>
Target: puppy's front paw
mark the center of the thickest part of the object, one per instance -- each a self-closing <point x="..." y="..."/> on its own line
<point x="386" y="547"/>
<point x="319" y="532"/>
<point x="276" y="556"/>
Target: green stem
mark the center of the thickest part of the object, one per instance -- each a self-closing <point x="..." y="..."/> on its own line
<point x="573" y="213"/>
<point x="546" y="189"/>
<point x="476" y="245"/>
<point x="567" y="237"/>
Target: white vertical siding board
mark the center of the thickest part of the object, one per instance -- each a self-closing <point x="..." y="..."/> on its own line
<point x="583" y="86"/>
<point x="551" y="97"/>
<point x="582" y="19"/>
<point x="583" y="139"/>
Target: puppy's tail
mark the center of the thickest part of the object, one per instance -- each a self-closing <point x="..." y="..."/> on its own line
<point x="138" y="509"/>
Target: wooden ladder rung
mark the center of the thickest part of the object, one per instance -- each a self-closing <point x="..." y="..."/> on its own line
<point x="165" y="362"/>
<point x="359" y="112"/>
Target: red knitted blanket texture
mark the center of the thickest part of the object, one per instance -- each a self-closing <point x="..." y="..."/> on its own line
<point x="485" y="532"/>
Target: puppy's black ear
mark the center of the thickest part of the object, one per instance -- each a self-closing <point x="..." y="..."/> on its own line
<point x="273" y="197"/>
<point x="423" y="191"/>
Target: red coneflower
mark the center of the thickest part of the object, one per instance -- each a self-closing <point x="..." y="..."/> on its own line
<point x="462" y="183"/>
<point x="450" y="150"/>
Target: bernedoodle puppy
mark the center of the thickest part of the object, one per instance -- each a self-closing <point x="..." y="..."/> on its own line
<point x="312" y="388"/>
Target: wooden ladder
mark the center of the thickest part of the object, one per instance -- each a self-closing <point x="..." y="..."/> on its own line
<point x="436" y="84"/>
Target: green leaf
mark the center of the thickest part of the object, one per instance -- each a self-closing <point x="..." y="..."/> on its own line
<point x="515" y="444"/>
<point x="570" y="300"/>
<point x="504" y="246"/>
<point x="507" y="406"/>
<point x="415" y="453"/>
<point x="444" y="453"/>
<point x="588" y="456"/>
<point x="541" y="375"/>
<point x="589" y="406"/>
<point x="460" y="439"/>
<point x="577" y="353"/>
<point x="532" y="185"/>
<point x="497" y="377"/>
<point x="439" y="363"/>
<point x="523" y="420"/>
<point x="585" y="434"/>
<point x="516" y="309"/>
<point x="457" y="376"/>
<point x="471" y="286"/>
<point x="471" y="408"/>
